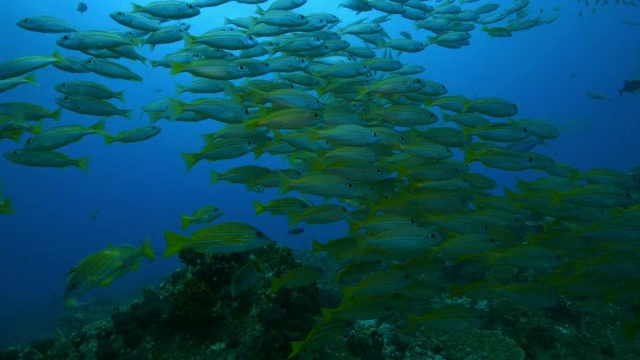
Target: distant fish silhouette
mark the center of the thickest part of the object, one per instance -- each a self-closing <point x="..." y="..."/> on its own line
<point x="296" y="231"/>
<point x="630" y="86"/>
<point x="82" y="7"/>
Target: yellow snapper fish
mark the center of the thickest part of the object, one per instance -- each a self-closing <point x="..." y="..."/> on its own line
<point x="203" y="215"/>
<point x="25" y="64"/>
<point x="99" y="269"/>
<point x="59" y="136"/>
<point x="11" y="83"/>
<point x="45" y="159"/>
<point x="134" y="135"/>
<point x="90" y="106"/>
<point x="93" y="271"/>
<point x="224" y="238"/>
<point x="90" y="89"/>
<point x="46" y="24"/>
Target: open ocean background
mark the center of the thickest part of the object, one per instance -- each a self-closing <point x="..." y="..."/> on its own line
<point x="141" y="189"/>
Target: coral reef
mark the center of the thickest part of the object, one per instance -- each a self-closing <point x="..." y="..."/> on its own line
<point x="215" y="308"/>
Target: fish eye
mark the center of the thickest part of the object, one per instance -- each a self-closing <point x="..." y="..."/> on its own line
<point x="442" y="87"/>
<point x="66" y="37"/>
<point x="260" y="234"/>
<point x="218" y="51"/>
<point x="190" y="6"/>
<point x="266" y="64"/>
<point x="305" y="205"/>
<point x="14" y="153"/>
<point x="417" y="81"/>
<point x="301" y="61"/>
<point x="374" y="134"/>
<point x="300" y="16"/>
<point x="530" y="159"/>
<point x="515" y="107"/>
<point x="317" y="102"/>
<point x="66" y="98"/>
<point x="246" y="111"/>
<point x="432" y="115"/>
<point x="26" y="21"/>
<point x="28" y="141"/>
<point x="447" y="150"/>
<point x="349" y="185"/>
<point x="249" y="142"/>
<point x="492" y="240"/>
<point x="316" y="115"/>
<point x="241" y="67"/>
<point x="433" y="235"/>
<point x="90" y="61"/>
<point x="250" y="37"/>
<point x="627" y="194"/>
<point x="154" y="127"/>
<point x="64" y="84"/>
<point x="197" y="56"/>
<point x="525" y="130"/>
<point x="120" y="13"/>
<point x="379" y="171"/>
<point x="291" y="86"/>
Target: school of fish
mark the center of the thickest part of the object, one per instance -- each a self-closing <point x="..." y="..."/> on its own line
<point x="366" y="137"/>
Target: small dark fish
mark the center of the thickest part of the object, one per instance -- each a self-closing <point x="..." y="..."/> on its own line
<point x="296" y="231"/>
<point x="630" y="86"/>
<point x="94" y="214"/>
<point x="82" y="7"/>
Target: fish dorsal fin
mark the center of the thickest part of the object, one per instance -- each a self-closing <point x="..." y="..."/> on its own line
<point x="406" y="35"/>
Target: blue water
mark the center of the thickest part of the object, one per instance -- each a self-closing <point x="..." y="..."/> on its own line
<point x="141" y="189"/>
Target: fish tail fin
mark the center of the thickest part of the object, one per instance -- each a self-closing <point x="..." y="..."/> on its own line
<point x="58" y="57"/>
<point x="128" y="114"/>
<point x="469" y="155"/>
<point x="180" y="89"/>
<point x="189" y="40"/>
<point x="176" y="107"/>
<point x="259" y="207"/>
<point x="296" y="348"/>
<point x="147" y="250"/>
<point x="98" y="127"/>
<point x="259" y="10"/>
<point x="176" y="68"/>
<point x="316" y="246"/>
<point x="120" y="95"/>
<point x="185" y="221"/>
<point x="56" y="114"/>
<point x="293" y="218"/>
<point x="108" y="139"/>
<point x="215" y="177"/>
<point x="285" y="184"/>
<point x="190" y="159"/>
<point x="31" y="79"/>
<point x="175" y="243"/>
<point x="83" y="163"/>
